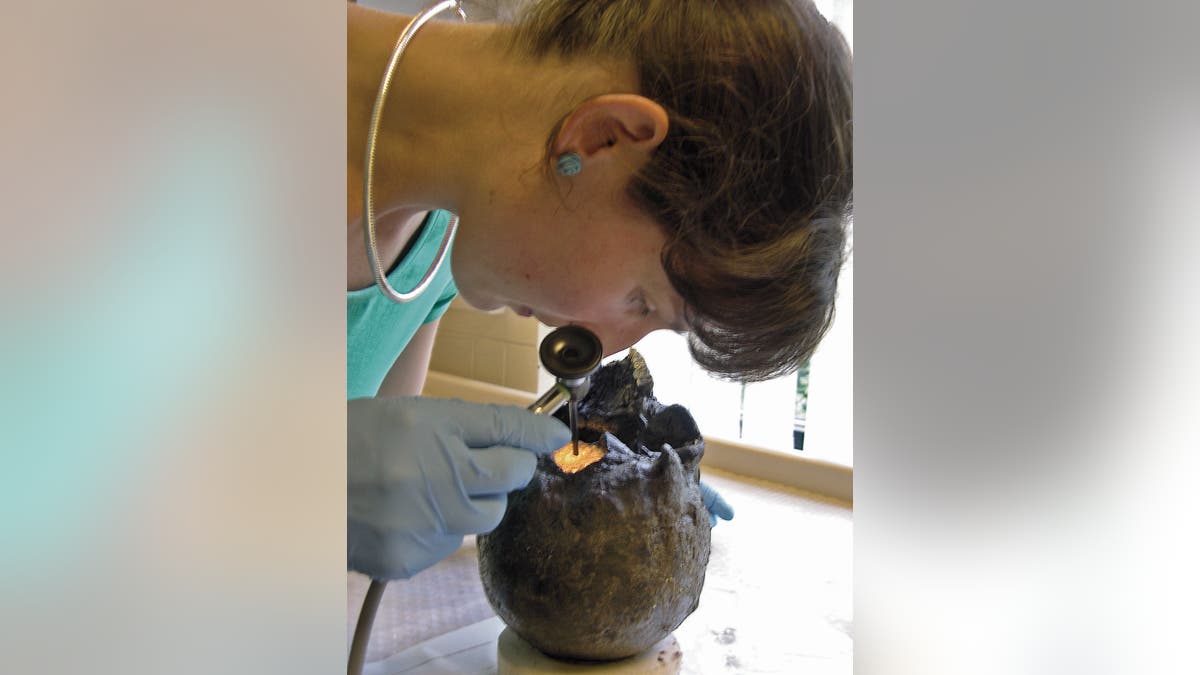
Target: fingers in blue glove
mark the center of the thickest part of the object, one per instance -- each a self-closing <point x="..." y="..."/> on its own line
<point x="497" y="470"/>
<point x="716" y="504"/>
<point x="424" y="472"/>
<point x="489" y="425"/>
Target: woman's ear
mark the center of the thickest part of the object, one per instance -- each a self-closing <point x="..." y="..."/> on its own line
<point x="611" y="122"/>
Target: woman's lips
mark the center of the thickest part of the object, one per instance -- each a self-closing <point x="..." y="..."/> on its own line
<point x="522" y="310"/>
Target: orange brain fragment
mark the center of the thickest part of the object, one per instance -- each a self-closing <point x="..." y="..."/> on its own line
<point x="569" y="462"/>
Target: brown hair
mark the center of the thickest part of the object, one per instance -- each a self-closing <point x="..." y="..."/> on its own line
<point x="753" y="183"/>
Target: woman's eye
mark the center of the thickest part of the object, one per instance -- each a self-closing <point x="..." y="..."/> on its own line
<point x="638" y="299"/>
<point x="643" y="306"/>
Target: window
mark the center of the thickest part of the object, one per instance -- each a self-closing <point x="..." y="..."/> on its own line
<point x="817" y="401"/>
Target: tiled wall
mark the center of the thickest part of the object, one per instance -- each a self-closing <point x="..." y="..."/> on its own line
<point x="496" y="348"/>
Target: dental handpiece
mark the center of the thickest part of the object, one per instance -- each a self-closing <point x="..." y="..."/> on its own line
<point x="570" y="354"/>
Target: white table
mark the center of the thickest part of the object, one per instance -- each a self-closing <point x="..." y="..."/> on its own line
<point x="777" y="595"/>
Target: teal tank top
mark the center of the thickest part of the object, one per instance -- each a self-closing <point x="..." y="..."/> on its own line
<point x="378" y="329"/>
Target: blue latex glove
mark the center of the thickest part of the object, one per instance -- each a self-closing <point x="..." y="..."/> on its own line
<point x="716" y="505"/>
<point x="424" y="472"/>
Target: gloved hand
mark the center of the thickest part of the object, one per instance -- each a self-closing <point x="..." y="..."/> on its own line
<point x="424" y="472"/>
<point x="716" y="505"/>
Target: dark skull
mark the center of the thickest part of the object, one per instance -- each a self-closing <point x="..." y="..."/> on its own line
<point x="603" y="563"/>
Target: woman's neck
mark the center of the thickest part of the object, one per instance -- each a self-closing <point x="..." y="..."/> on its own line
<point x="404" y="145"/>
<point x="461" y="110"/>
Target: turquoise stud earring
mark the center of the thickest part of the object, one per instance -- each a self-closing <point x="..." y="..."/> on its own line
<point x="568" y="164"/>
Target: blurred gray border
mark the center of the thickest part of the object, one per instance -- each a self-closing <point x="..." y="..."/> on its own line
<point x="1022" y="199"/>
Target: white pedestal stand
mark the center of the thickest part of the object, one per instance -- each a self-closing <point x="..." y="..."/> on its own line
<point x="515" y="656"/>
